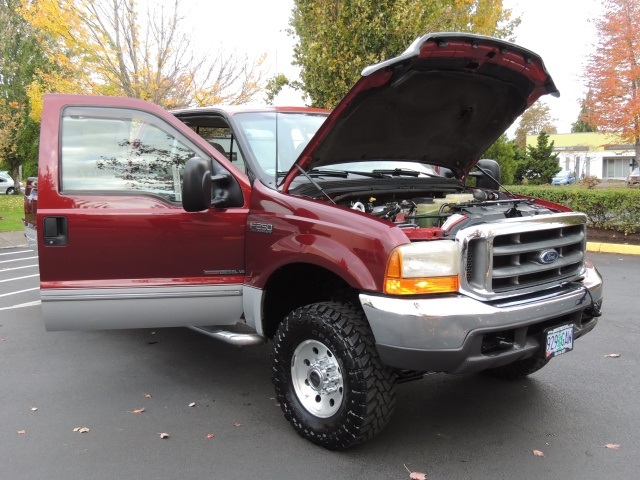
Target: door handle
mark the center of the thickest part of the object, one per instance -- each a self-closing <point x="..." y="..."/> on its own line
<point x="55" y="231"/>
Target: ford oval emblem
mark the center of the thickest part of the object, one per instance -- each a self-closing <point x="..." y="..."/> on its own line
<point x="548" y="256"/>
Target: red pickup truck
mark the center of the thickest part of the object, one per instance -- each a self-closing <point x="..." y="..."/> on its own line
<point x="369" y="244"/>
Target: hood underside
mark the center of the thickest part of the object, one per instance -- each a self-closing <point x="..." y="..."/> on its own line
<point x="443" y="102"/>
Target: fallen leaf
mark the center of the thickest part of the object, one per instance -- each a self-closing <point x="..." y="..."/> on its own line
<point x="210" y="435"/>
<point x="21" y="432"/>
<point x="237" y="424"/>
<point x="164" y="435"/>
<point x="147" y="395"/>
<point x="538" y="453"/>
<point x="192" y="404"/>
<point x="139" y="410"/>
<point x="277" y="404"/>
<point x="81" y="429"/>
<point x="612" y="446"/>
<point x="34" y="409"/>
<point x="416" y="475"/>
<point x="612" y="355"/>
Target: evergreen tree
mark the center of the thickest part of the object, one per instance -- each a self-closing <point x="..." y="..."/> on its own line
<point x="582" y="125"/>
<point x="540" y="164"/>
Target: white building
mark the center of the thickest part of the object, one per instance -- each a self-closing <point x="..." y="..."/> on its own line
<point x="602" y="155"/>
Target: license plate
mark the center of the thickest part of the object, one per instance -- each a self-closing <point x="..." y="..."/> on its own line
<point x="559" y="340"/>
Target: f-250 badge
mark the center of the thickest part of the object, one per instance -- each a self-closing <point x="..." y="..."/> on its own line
<point x="261" y="227"/>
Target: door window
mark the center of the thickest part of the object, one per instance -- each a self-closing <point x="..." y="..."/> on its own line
<point x="122" y="151"/>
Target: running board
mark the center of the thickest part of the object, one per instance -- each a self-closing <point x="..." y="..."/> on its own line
<point x="233" y="338"/>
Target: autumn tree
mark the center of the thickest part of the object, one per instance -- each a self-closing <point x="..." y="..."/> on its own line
<point x="20" y="56"/>
<point x="540" y="164"/>
<point x="535" y="120"/>
<point x="336" y="39"/>
<point x="613" y="72"/>
<point x="104" y="47"/>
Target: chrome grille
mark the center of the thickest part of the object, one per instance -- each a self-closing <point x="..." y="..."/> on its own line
<point x="516" y="256"/>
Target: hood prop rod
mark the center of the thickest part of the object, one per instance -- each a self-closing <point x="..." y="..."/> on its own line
<point x="315" y="184"/>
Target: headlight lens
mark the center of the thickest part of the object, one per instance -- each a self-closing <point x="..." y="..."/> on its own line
<point x="424" y="267"/>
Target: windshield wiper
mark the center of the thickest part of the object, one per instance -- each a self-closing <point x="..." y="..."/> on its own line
<point x="325" y="172"/>
<point x="321" y="173"/>
<point x="345" y="173"/>
<point x="405" y="172"/>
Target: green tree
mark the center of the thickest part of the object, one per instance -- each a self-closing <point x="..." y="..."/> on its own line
<point x="336" y="39"/>
<point x="20" y="56"/>
<point x="540" y="164"/>
<point x="503" y="151"/>
<point x="582" y="124"/>
<point x="535" y="120"/>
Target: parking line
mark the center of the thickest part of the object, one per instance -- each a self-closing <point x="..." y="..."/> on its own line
<point x="16" y="268"/>
<point x="16" y="253"/>
<point x="19" y="291"/>
<point x="22" y="305"/>
<point x="19" y="278"/>
<point x="18" y="259"/>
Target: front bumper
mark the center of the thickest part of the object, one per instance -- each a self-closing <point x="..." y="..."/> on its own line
<point x="457" y="334"/>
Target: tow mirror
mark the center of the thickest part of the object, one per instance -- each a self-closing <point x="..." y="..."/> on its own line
<point x="196" y="185"/>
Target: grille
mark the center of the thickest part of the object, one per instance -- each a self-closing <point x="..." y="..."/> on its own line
<point x="511" y="258"/>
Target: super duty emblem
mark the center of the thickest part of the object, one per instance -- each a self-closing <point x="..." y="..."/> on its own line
<point x="261" y="227"/>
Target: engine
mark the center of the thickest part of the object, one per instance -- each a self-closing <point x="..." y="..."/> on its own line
<point x="448" y="213"/>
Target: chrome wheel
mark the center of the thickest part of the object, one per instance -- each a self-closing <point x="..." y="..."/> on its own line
<point x="329" y="380"/>
<point x="317" y="378"/>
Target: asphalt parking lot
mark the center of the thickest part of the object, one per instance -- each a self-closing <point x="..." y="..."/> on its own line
<point x="449" y="427"/>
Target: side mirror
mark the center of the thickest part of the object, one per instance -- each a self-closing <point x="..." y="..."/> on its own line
<point x="196" y="185"/>
<point x="490" y="177"/>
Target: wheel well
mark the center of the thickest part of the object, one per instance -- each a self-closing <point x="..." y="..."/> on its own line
<point x="297" y="285"/>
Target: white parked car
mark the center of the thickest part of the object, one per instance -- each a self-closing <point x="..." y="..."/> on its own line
<point x="7" y="185"/>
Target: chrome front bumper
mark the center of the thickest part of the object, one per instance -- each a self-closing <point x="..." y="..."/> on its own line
<point x="449" y="333"/>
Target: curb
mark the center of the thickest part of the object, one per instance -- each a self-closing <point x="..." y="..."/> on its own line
<point x="613" y="248"/>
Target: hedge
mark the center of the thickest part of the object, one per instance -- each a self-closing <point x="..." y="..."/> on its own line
<point x="615" y="209"/>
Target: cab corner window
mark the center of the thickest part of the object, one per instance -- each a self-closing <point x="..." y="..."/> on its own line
<point x="122" y="151"/>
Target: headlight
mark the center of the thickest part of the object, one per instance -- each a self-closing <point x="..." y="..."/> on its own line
<point x="423" y="267"/>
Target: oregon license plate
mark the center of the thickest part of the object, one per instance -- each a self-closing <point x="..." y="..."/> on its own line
<point x="559" y="340"/>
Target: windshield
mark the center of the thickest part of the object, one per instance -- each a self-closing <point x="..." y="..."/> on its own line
<point x="293" y="131"/>
<point x="563" y="174"/>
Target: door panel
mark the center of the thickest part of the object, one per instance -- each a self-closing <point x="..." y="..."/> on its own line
<point x="116" y="248"/>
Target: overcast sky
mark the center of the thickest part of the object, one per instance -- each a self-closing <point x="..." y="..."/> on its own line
<point x="558" y="30"/>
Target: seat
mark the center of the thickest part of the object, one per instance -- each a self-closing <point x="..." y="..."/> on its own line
<point x="219" y="147"/>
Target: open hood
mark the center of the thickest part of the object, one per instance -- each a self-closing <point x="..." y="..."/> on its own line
<point x="444" y="101"/>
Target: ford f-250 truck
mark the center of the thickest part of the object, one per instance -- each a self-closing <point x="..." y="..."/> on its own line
<point x="369" y="244"/>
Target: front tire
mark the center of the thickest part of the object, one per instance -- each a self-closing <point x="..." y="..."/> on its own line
<point x="329" y="380"/>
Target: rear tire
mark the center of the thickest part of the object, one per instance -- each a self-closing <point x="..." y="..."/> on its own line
<point x="10" y="191"/>
<point x="329" y="380"/>
<point x="519" y="369"/>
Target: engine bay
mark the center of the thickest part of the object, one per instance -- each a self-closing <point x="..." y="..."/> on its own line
<point x="432" y="209"/>
<point x="447" y="213"/>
